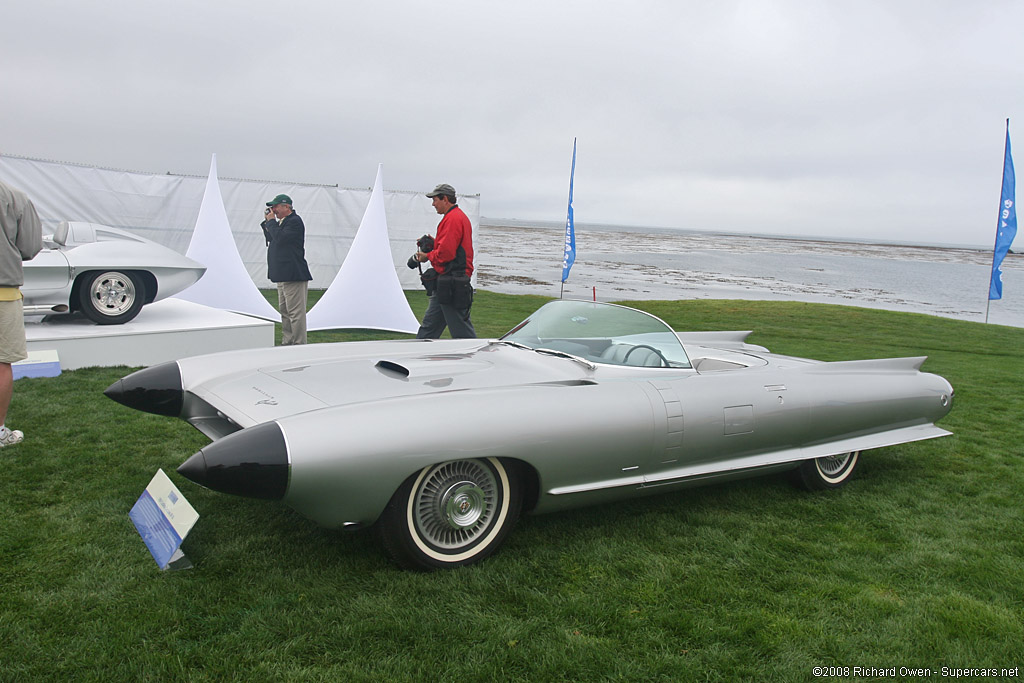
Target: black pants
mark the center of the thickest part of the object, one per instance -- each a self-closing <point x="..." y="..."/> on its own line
<point x="439" y="315"/>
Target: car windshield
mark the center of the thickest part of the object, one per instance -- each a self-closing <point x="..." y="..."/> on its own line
<point x="601" y="333"/>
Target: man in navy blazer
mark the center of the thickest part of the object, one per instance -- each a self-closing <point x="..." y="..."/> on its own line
<point x="287" y="267"/>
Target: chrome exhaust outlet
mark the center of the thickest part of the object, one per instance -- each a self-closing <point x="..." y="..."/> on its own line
<point x="45" y="310"/>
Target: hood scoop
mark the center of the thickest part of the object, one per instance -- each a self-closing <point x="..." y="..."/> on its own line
<point x="427" y="368"/>
<point x="391" y="369"/>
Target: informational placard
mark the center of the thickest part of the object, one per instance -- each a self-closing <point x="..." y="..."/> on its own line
<point x="163" y="518"/>
<point x="38" y="364"/>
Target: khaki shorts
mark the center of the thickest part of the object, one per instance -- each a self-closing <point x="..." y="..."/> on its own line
<point x="12" y="332"/>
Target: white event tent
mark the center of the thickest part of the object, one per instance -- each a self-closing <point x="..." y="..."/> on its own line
<point x="166" y="209"/>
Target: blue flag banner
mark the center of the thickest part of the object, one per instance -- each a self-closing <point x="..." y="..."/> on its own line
<point x="1007" y="227"/>
<point x="569" y="256"/>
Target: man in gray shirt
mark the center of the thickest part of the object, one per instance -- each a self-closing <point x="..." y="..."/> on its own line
<point x="22" y="238"/>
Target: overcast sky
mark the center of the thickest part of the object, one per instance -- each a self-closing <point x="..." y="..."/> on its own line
<point x="851" y="118"/>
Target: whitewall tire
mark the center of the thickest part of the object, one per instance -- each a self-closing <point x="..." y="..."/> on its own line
<point x="451" y="514"/>
<point x="829" y="472"/>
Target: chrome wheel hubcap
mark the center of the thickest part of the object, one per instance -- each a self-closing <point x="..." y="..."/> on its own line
<point x="463" y="504"/>
<point x="112" y="293"/>
<point x="834" y="464"/>
<point x="455" y="503"/>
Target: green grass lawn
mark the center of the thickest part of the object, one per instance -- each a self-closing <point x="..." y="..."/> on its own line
<point x="918" y="562"/>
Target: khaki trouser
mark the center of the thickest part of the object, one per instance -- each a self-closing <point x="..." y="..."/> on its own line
<point x="291" y="299"/>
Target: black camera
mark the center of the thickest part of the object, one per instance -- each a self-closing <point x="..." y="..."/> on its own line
<point x="424" y="244"/>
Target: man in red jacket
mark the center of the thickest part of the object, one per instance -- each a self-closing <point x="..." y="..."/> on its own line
<point x="452" y="258"/>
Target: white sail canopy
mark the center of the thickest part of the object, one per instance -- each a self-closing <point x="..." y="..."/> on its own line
<point x="226" y="284"/>
<point x="366" y="292"/>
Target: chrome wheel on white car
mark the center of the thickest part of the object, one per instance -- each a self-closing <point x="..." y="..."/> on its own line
<point x="829" y="472"/>
<point x="111" y="297"/>
<point x="452" y="514"/>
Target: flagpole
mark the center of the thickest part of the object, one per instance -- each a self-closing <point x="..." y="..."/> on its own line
<point x="995" y="240"/>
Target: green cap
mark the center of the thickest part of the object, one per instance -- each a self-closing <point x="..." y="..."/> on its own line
<point x="280" y="199"/>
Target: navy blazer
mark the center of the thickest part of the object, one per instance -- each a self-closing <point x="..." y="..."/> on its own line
<point x="286" y="249"/>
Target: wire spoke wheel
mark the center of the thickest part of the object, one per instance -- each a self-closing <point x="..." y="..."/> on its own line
<point x="451" y="514"/>
<point x="828" y="472"/>
<point x="455" y="503"/>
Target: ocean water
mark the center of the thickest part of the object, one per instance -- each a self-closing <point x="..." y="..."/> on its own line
<point x="622" y="263"/>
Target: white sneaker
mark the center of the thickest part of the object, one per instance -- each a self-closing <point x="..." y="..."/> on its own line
<point x="9" y="437"/>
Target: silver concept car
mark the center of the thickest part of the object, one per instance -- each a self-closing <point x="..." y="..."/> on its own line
<point x="106" y="273"/>
<point x="442" y="444"/>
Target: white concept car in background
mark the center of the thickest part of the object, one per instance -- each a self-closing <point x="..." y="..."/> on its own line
<point x="106" y="273"/>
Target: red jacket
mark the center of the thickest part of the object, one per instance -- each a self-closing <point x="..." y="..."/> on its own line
<point x="453" y="231"/>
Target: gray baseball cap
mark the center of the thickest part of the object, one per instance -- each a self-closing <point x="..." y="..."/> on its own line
<point x="443" y="188"/>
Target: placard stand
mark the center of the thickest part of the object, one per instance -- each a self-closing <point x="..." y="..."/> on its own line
<point x="178" y="561"/>
<point x="163" y="518"/>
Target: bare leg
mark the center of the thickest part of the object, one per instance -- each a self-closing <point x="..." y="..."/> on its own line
<point x="6" y="389"/>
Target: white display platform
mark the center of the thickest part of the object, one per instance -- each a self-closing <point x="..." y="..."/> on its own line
<point x="163" y="331"/>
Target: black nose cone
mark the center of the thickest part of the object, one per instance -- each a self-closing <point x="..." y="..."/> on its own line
<point x="156" y="389"/>
<point x="251" y="463"/>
